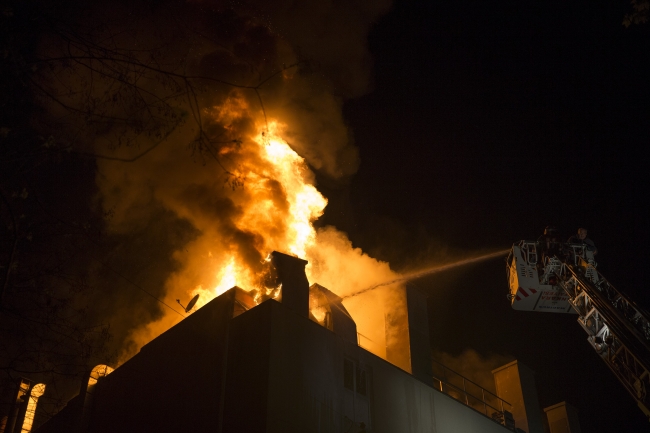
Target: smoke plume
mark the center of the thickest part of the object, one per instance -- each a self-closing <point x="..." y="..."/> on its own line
<point x="208" y="120"/>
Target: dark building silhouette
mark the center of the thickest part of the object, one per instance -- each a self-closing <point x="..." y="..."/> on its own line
<point x="234" y="366"/>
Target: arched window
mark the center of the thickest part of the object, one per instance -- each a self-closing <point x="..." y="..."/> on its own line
<point x="99" y="371"/>
<point x="36" y="392"/>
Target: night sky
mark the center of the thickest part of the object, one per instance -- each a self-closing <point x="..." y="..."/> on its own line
<point x="489" y="121"/>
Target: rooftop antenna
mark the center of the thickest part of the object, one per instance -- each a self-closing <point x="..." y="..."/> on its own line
<point x="190" y="304"/>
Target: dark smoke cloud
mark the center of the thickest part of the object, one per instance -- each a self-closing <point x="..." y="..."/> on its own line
<point x="166" y="166"/>
<point x="175" y="211"/>
<point x="331" y="33"/>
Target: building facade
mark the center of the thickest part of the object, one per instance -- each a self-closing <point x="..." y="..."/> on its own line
<point x="234" y="366"/>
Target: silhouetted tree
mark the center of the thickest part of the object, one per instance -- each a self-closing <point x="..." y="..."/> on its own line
<point x="71" y="85"/>
<point x="80" y="81"/>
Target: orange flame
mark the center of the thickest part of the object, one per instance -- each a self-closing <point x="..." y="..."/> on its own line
<point x="280" y="165"/>
<point x="273" y="207"/>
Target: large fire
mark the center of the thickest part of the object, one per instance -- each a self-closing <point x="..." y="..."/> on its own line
<point x="202" y="221"/>
<point x="276" y="167"/>
<point x="272" y="206"/>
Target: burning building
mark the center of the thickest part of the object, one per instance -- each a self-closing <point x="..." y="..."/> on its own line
<point x="265" y="358"/>
<point x="290" y="363"/>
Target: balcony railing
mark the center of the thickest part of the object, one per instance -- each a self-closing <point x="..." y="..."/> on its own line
<point x="472" y="394"/>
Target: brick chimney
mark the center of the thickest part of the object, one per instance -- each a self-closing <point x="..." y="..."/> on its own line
<point x="295" y="286"/>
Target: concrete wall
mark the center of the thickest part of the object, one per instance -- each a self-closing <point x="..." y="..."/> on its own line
<point x="402" y="403"/>
<point x="515" y="383"/>
<point x="66" y="420"/>
<point x="174" y="383"/>
<point x="283" y="372"/>
<point x="420" y="346"/>
<point x="562" y="418"/>
<point x="306" y="390"/>
<point x="246" y="384"/>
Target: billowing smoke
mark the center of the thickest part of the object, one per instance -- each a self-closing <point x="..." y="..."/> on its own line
<point x="337" y="265"/>
<point x="208" y="120"/>
<point x="472" y="365"/>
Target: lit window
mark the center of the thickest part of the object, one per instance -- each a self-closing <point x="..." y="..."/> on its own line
<point x="37" y="391"/>
<point x="100" y="370"/>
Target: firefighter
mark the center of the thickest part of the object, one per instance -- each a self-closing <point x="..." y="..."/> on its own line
<point x="549" y="243"/>
<point x="581" y="239"/>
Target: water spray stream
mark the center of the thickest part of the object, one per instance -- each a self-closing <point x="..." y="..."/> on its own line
<point x="429" y="271"/>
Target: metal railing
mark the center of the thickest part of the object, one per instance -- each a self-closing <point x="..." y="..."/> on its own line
<point x="470" y="393"/>
<point x="618" y="329"/>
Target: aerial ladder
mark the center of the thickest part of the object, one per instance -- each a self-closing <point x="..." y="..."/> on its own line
<point x="566" y="281"/>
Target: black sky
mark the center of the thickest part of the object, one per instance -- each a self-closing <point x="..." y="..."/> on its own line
<point x="488" y="121"/>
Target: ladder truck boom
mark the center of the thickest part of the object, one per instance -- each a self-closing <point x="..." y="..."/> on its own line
<point x="568" y="282"/>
